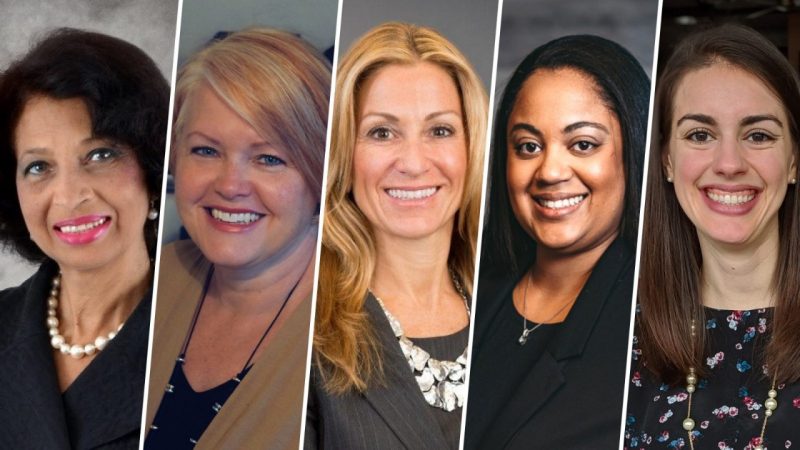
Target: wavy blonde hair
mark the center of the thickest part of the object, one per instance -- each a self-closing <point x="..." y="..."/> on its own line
<point x="346" y="352"/>
<point x="277" y="83"/>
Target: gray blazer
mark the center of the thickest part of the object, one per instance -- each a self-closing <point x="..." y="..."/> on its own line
<point x="392" y="416"/>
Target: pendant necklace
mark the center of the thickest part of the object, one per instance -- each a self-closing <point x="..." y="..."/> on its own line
<point x="523" y="338"/>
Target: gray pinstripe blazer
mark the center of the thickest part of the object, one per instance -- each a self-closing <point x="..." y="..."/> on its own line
<point x="393" y="416"/>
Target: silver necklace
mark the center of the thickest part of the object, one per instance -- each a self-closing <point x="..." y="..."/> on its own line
<point x="523" y="338"/>
<point x="59" y="342"/>
<point x="441" y="382"/>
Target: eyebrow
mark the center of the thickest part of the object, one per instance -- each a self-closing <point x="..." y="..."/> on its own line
<point x="702" y="118"/>
<point x="526" y="127"/>
<point x="219" y="144"/>
<point x="750" y="120"/>
<point x="568" y="129"/>
<point x="393" y="118"/>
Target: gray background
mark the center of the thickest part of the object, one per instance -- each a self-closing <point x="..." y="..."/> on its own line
<point x="313" y="20"/>
<point x="149" y="24"/>
<point x="469" y="24"/>
<point x="528" y="24"/>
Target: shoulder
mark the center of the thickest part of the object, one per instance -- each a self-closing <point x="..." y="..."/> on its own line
<point x="16" y="300"/>
<point x="182" y="264"/>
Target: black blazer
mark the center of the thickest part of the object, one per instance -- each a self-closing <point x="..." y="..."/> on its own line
<point x="392" y="416"/>
<point x="572" y="398"/>
<point x="102" y="408"/>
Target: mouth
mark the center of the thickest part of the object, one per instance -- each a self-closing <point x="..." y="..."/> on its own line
<point x="234" y="217"/>
<point x="561" y="203"/>
<point x="730" y="198"/>
<point x="411" y="194"/>
<point x="80" y="225"/>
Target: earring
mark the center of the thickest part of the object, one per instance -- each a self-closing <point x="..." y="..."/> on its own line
<point x="669" y="179"/>
<point x="153" y="213"/>
<point x="793" y="181"/>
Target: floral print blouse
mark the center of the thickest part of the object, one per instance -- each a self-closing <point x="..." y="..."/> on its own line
<point x="728" y="405"/>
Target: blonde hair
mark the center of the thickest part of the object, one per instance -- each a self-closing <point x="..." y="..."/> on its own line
<point x="345" y="349"/>
<point x="278" y="83"/>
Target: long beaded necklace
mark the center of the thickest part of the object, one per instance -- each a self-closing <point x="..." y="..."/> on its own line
<point x="441" y="382"/>
<point x="59" y="342"/>
<point x="770" y="405"/>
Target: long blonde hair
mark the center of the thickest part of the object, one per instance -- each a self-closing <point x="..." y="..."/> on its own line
<point x="345" y="349"/>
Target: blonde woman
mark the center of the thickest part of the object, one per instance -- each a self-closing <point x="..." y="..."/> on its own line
<point x="231" y="331"/>
<point x="398" y="245"/>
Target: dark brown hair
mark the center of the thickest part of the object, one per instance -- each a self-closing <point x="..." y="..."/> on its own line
<point x="127" y="98"/>
<point x="670" y="299"/>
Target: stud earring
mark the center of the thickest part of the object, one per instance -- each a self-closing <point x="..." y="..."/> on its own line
<point x="669" y="179"/>
<point x="153" y="213"/>
<point x="793" y="181"/>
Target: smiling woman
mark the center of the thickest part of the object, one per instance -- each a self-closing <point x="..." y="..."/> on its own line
<point x="231" y="326"/>
<point x="553" y="307"/>
<point x="83" y="125"/>
<point x="398" y="245"/>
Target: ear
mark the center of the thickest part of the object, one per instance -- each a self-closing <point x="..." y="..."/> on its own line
<point x="666" y="163"/>
<point x="793" y="168"/>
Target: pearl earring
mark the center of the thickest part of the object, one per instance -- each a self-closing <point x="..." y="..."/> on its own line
<point x="153" y="213"/>
<point x="669" y="179"/>
<point x="793" y="181"/>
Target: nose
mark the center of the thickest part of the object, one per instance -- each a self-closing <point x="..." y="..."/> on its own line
<point x="554" y="167"/>
<point x="232" y="181"/>
<point x="72" y="188"/>
<point x="728" y="158"/>
<point x="413" y="157"/>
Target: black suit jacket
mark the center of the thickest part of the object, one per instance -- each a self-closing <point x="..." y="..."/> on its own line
<point x="572" y="398"/>
<point x="392" y="416"/>
<point x="100" y="409"/>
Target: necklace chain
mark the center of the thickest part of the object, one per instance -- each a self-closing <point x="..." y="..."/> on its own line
<point x="770" y="405"/>
<point x="523" y="338"/>
<point x="58" y="341"/>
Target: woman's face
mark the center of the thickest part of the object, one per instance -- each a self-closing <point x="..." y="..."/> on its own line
<point x="84" y="198"/>
<point x="239" y="195"/>
<point x="565" y="173"/>
<point x="410" y="157"/>
<point x="729" y="154"/>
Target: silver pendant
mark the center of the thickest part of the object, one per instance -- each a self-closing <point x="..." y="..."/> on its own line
<point x="524" y="337"/>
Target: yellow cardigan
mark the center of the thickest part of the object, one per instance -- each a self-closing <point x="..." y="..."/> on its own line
<point x="265" y="409"/>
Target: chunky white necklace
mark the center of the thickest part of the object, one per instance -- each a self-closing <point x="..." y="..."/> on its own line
<point x="441" y="382"/>
<point x="57" y="340"/>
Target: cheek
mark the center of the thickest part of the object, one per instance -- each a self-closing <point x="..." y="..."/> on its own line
<point x="368" y="166"/>
<point x="518" y="175"/>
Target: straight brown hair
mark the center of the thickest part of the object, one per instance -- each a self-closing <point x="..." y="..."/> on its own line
<point x="670" y="299"/>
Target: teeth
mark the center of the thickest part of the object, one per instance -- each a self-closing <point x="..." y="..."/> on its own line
<point x="82" y="227"/>
<point x="731" y="199"/>
<point x="562" y="203"/>
<point x="411" y="195"/>
<point x="234" y="217"/>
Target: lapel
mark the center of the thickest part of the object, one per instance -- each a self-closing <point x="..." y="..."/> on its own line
<point x="398" y="401"/>
<point x="30" y="399"/>
<point x="111" y="410"/>
<point x="547" y="375"/>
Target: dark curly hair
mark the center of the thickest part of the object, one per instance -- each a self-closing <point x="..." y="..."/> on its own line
<point x="124" y="91"/>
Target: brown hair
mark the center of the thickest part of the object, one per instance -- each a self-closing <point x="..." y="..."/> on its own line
<point x="670" y="300"/>
<point x="344" y="344"/>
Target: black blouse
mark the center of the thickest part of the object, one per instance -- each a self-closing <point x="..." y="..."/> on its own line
<point x="728" y="405"/>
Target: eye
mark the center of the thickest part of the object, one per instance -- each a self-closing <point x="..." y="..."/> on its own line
<point x="441" y="131"/>
<point x="584" y="146"/>
<point x="206" y="152"/>
<point x="759" y="137"/>
<point x="35" y="168"/>
<point x="380" y="133"/>
<point x="699" y="136"/>
<point x="102" y="154"/>
<point x="527" y="148"/>
<point x="270" y="160"/>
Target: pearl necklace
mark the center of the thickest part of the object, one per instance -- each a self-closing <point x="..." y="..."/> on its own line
<point x="770" y="405"/>
<point x="57" y="340"/>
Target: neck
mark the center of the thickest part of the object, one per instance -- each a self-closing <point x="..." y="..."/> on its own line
<point x="414" y="270"/>
<point x="243" y="290"/>
<point x="95" y="301"/>
<point x="557" y="275"/>
<point x="739" y="277"/>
